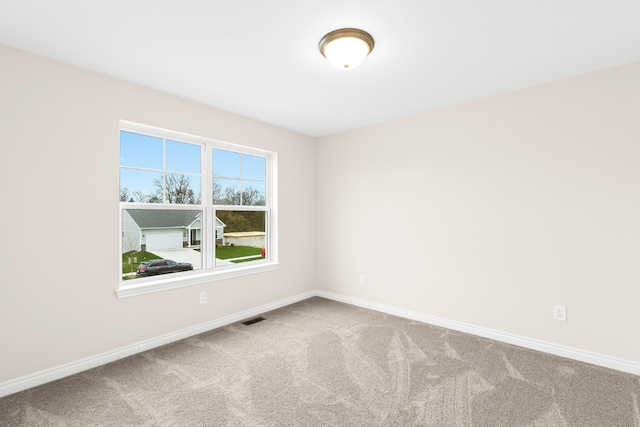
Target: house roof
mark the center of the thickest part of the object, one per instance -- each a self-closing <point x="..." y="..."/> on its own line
<point x="146" y="218"/>
<point x="163" y="219"/>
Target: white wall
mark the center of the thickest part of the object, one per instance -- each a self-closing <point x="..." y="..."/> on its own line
<point x="59" y="182"/>
<point x="500" y="209"/>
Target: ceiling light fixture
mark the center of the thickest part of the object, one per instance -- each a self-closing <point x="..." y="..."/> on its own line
<point x="346" y="48"/>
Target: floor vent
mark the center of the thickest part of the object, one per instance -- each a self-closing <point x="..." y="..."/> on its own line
<point x="252" y="321"/>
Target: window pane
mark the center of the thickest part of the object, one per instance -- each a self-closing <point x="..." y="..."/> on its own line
<point x="183" y="189"/>
<point x="254" y="168"/>
<point x="140" y="151"/>
<point x="254" y="193"/>
<point x="160" y="234"/>
<point x="183" y="157"/>
<point x="226" y="191"/>
<point x="140" y="186"/>
<point x="243" y="237"/>
<point x="226" y="163"/>
<point x="162" y="179"/>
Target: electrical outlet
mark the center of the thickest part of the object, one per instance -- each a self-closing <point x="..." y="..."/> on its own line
<point x="363" y="280"/>
<point x="203" y="297"/>
<point x="560" y="313"/>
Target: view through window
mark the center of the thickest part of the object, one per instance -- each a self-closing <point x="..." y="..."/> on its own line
<point x="191" y="204"/>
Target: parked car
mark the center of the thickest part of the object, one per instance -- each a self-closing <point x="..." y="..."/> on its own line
<point x="161" y="266"/>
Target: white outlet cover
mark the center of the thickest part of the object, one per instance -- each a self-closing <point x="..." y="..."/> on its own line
<point x="560" y="313"/>
<point x="203" y="297"/>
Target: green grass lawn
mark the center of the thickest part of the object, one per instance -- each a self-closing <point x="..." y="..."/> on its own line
<point x="247" y="260"/>
<point x="139" y="256"/>
<point x="226" y="252"/>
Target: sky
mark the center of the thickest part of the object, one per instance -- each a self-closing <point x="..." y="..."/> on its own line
<point x="144" y="158"/>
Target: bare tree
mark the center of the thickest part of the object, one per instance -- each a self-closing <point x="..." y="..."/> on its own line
<point x="252" y="197"/>
<point x="217" y="193"/>
<point x="124" y="195"/>
<point x="178" y="190"/>
<point x="130" y="246"/>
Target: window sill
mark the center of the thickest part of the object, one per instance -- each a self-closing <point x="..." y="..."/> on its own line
<point x="166" y="283"/>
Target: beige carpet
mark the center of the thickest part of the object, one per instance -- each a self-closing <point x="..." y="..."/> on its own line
<point x="323" y="363"/>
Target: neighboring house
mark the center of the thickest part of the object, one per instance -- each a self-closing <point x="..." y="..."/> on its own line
<point x="148" y="230"/>
<point x="245" y="238"/>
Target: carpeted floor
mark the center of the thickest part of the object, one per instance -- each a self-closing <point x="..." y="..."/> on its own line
<point x="323" y="363"/>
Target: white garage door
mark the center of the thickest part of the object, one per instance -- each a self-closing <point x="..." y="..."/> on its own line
<point x="163" y="239"/>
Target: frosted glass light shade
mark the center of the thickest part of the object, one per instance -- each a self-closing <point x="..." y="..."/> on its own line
<point x="347" y="48"/>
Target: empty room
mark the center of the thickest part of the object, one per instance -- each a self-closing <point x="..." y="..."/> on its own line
<point x="348" y="213"/>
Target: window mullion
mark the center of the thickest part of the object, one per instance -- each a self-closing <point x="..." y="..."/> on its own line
<point x="164" y="173"/>
<point x="241" y="181"/>
<point x="207" y="201"/>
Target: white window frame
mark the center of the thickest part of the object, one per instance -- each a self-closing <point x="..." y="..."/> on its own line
<point x="209" y="271"/>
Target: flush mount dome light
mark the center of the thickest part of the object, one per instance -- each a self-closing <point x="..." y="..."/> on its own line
<point x="346" y="48"/>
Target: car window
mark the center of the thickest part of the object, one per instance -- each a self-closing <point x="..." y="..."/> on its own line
<point x="170" y="262"/>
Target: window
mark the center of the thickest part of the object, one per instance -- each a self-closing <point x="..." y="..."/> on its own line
<point x="205" y="209"/>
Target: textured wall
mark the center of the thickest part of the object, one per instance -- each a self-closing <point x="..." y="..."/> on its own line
<point x="499" y="209"/>
<point x="59" y="186"/>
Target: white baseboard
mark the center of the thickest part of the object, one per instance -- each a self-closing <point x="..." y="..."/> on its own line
<point x="48" y="375"/>
<point x="533" y="344"/>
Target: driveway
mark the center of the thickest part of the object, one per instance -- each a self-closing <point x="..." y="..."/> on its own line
<point x="181" y="255"/>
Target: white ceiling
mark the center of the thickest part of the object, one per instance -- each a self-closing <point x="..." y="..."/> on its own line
<point x="259" y="58"/>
